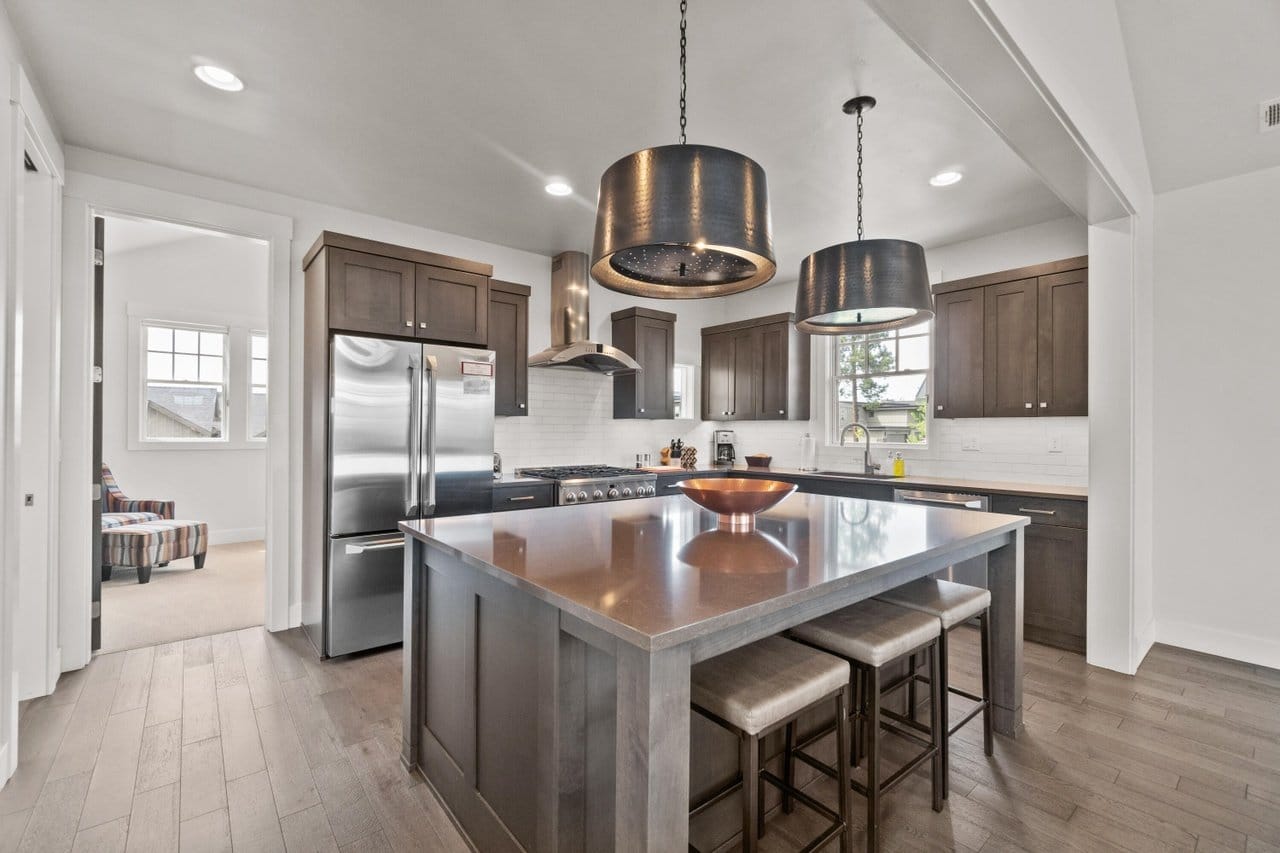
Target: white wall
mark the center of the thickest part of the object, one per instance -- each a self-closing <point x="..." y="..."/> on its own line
<point x="1216" y="300"/>
<point x="207" y="278"/>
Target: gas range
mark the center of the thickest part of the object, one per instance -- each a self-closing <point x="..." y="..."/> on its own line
<point x="582" y="484"/>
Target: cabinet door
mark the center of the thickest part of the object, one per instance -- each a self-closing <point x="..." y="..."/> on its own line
<point x="958" y="354"/>
<point x="370" y="293"/>
<point x="1063" y="351"/>
<point x="1009" y="350"/>
<point x="452" y="306"/>
<point x="743" y="385"/>
<point x="773" y="379"/>
<point x="1055" y="584"/>
<point x="717" y="376"/>
<point x="655" y="351"/>
<point x="509" y="339"/>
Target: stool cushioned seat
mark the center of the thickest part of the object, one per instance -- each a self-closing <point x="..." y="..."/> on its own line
<point x="763" y="683"/>
<point x="871" y="632"/>
<point x="952" y="603"/>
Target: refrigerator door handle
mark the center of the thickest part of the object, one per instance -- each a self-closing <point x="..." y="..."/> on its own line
<point x="429" y="378"/>
<point x="415" y="429"/>
<point x="380" y="545"/>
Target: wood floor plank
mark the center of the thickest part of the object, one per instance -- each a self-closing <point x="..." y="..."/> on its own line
<point x="111" y="786"/>
<point x="255" y="825"/>
<point x="153" y="825"/>
<point x="203" y="786"/>
<point x="135" y="680"/>
<point x="79" y="747"/>
<point x="228" y="665"/>
<point x="39" y="736"/>
<point x="164" y="700"/>
<point x="351" y="815"/>
<point x="197" y="651"/>
<point x="291" y="780"/>
<point x="241" y="746"/>
<point x="264" y="687"/>
<point x="107" y="837"/>
<point x="307" y="831"/>
<point x="320" y="741"/>
<point x="160" y="758"/>
<point x="375" y="843"/>
<point x="199" y="703"/>
<point x="284" y="658"/>
<point x="52" y="824"/>
<point x="12" y="826"/>
<point x="207" y="833"/>
<point x="403" y="819"/>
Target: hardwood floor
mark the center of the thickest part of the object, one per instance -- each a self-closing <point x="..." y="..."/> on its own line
<point x="247" y="741"/>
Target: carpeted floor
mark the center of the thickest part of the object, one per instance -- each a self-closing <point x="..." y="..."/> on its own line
<point x="180" y="603"/>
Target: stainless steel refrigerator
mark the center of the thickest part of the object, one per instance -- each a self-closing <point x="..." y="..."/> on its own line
<point x="410" y="436"/>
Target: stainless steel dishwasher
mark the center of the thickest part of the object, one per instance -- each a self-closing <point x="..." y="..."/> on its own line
<point x="974" y="570"/>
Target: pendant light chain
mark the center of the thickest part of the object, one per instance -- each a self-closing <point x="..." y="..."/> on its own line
<point x="684" y="9"/>
<point x="859" y="174"/>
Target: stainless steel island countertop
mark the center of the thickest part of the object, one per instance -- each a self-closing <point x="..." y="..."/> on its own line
<point x="564" y="636"/>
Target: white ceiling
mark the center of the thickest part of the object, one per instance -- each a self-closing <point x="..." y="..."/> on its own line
<point x="452" y="115"/>
<point x="1199" y="71"/>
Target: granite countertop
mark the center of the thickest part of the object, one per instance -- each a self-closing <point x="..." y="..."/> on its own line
<point x="953" y="484"/>
<point x="657" y="572"/>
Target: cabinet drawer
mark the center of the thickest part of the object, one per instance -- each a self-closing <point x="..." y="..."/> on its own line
<point x="523" y="497"/>
<point x="1056" y="511"/>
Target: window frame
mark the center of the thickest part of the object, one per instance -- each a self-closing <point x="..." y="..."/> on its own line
<point x="690" y="401"/>
<point x="146" y="381"/>
<point x="833" y="377"/>
<point x="251" y="386"/>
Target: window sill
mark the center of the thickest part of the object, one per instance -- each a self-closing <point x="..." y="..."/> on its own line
<point x="165" y="446"/>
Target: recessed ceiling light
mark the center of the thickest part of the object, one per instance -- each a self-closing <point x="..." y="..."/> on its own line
<point x="558" y="187"/>
<point x="946" y="179"/>
<point x="219" y="78"/>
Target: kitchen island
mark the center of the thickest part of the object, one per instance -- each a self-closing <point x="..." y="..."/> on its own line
<point x="546" y="678"/>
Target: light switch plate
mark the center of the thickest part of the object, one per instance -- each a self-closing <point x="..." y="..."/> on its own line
<point x="1055" y="444"/>
<point x="969" y="442"/>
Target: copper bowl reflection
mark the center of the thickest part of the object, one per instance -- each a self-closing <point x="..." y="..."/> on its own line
<point x="736" y="499"/>
<point x="749" y="553"/>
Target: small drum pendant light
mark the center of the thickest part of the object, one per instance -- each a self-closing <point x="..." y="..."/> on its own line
<point x="683" y="221"/>
<point x="866" y="285"/>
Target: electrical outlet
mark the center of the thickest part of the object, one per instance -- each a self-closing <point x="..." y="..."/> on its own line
<point x="1055" y="443"/>
<point x="29" y="499"/>
<point x="969" y="442"/>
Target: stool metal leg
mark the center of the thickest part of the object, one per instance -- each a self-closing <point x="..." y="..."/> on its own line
<point x="859" y="710"/>
<point x="911" y="688"/>
<point x="749" y="761"/>
<point x="789" y="761"/>
<point x="943" y="690"/>
<point x="937" y="725"/>
<point x="872" y="733"/>
<point x="843" y="726"/>
<point x="984" y="628"/>
<point x="760" y="793"/>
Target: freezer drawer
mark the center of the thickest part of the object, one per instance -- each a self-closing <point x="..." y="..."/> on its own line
<point x="365" y="599"/>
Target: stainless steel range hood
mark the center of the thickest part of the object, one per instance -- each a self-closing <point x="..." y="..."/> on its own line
<point x="571" y="344"/>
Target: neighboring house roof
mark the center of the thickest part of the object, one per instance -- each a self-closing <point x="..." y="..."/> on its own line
<point x="198" y="409"/>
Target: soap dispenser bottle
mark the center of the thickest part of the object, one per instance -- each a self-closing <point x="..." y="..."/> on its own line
<point x="808" y="453"/>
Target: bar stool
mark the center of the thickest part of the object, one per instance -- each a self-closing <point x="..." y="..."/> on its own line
<point x="871" y="635"/>
<point x="755" y="690"/>
<point x="951" y="604"/>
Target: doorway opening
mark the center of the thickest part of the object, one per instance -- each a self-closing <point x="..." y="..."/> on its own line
<point x="180" y="431"/>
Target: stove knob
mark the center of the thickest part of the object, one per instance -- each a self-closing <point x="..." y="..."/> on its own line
<point x="613" y="493"/>
<point x="648" y="491"/>
<point x="597" y="495"/>
<point x="582" y="496"/>
<point x="570" y="498"/>
<point x="626" y="493"/>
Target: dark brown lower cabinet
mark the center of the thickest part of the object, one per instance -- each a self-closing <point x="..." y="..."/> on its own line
<point x="1056" y="580"/>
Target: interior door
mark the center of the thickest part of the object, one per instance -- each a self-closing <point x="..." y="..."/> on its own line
<point x="95" y="474"/>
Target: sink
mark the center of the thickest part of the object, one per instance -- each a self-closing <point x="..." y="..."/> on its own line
<point x="856" y="474"/>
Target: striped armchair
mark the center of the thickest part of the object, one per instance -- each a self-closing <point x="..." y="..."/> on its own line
<point x="114" y="500"/>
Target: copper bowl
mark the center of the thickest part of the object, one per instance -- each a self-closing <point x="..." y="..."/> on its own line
<point x="758" y="460"/>
<point x="736" y="499"/>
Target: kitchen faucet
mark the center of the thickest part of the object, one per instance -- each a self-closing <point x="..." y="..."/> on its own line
<point x="867" y="467"/>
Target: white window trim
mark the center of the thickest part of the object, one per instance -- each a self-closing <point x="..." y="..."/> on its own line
<point x="693" y="400"/>
<point x="833" y="403"/>
<point x="248" y="383"/>
<point x="237" y="329"/>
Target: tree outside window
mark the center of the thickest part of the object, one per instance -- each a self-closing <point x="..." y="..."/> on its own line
<point x="882" y="382"/>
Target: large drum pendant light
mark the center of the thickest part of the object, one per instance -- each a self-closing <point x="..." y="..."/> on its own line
<point x="683" y="221"/>
<point x="867" y="285"/>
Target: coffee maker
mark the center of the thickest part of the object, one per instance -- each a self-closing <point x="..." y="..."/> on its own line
<point x="722" y="447"/>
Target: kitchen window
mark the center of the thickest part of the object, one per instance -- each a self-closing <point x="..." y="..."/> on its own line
<point x="185" y="371"/>
<point x="257" y="386"/>
<point x="682" y="391"/>
<point x="881" y="380"/>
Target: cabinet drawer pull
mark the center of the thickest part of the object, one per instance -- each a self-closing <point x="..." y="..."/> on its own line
<point x="424" y="325"/>
<point x="672" y="486"/>
<point x="1044" y="405"/>
<point x="524" y="498"/>
<point x="409" y="323"/>
<point x="1037" y="511"/>
<point x="1027" y="405"/>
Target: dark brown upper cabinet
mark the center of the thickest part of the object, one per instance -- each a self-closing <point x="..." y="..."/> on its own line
<point x="649" y="337"/>
<point x="370" y="293"/>
<point x="509" y="339"/>
<point x="1013" y="343"/>
<point x="957" y="377"/>
<point x="1063" y="348"/>
<point x="451" y="305"/>
<point x="755" y="370"/>
<point x="1009" y="362"/>
<point x="382" y="289"/>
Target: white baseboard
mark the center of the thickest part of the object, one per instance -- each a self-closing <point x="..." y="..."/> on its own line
<point x="1263" y="651"/>
<point x="232" y="535"/>
<point x="295" y="614"/>
<point x="6" y="769"/>
<point x="1143" y="642"/>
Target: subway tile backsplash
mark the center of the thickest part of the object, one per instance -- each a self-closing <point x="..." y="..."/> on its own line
<point x="571" y="422"/>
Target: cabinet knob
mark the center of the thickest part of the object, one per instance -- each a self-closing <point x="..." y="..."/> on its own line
<point x="782" y="411"/>
<point x="642" y="411"/>
<point x="939" y="407"/>
<point x="521" y="405"/>
<point x="1028" y="405"/>
<point x="424" y="325"/>
<point x="409" y="323"/>
<point x="1044" y="405"/>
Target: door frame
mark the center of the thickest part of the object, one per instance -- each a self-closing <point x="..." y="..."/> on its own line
<point x="87" y="196"/>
